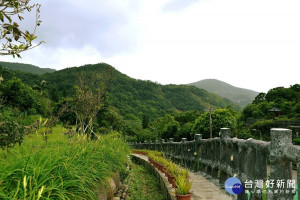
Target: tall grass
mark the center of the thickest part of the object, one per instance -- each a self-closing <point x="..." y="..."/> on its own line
<point x="62" y="169"/>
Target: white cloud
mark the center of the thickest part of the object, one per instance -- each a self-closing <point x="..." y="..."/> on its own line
<point x="60" y="58"/>
<point x="248" y="43"/>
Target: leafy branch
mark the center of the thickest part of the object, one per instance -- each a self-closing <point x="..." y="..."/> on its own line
<point x="14" y="40"/>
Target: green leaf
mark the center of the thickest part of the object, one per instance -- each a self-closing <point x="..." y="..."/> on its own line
<point x="1" y="17"/>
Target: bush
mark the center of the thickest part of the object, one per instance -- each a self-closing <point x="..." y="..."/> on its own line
<point x="20" y="95"/>
<point x="265" y="127"/>
<point x="297" y="141"/>
<point x="244" y="134"/>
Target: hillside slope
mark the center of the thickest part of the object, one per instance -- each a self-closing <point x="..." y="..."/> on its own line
<point x="128" y="95"/>
<point x="240" y="96"/>
<point x="26" y="68"/>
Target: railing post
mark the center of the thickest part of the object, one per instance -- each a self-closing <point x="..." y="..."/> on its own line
<point x="198" y="138"/>
<point x="224" y="158"/>
<point x="156" y="145"/>
<point x="281" y="170"/>
<point x="163" y="146"/>
<point x="171" y="148"/>
<point x="183" y="151"/>
<point x="224" y="133"/>
<point x="214" y="168"/>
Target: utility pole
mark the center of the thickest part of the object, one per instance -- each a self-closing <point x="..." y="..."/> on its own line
<point x="210" y="121"/>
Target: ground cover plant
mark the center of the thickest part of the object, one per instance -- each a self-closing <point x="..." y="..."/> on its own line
<point x="62" y="168"/>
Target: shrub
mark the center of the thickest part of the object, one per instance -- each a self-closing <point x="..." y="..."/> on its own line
<point x="244" y="134"/>
<point x="297" y="141"/>
<point x="264" y="126"/>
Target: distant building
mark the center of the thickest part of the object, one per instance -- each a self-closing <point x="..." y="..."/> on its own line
<point x="276" y="112"/>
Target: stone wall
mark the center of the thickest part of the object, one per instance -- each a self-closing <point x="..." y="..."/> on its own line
<point x="223" y="157"/>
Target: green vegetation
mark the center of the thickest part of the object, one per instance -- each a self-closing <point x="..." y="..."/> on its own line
<point x="240" y="96"/>
<point x="178" y="176"/>
<point x="183" y="185"/>
<point x="61" y="169"/>
<point x="143" y="110"/>
<point x="259" y="117"/>
<point x="220" y="118"/>
<point x="27" y="68"/>
<point x="135" y="108"/>
<point x="297" y="141"/>
<point x="127" y="95"/>
<point x="143" y="185"/>
<point x="98" y="109"/>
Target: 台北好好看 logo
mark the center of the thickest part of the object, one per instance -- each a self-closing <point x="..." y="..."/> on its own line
<point x="233" y="186"/>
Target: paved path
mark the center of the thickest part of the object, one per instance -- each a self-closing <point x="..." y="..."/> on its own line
<point x="202" y="188"/>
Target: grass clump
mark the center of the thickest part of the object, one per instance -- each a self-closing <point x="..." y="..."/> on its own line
<point x="61" y="169"/>
<point x="183" y="185"/>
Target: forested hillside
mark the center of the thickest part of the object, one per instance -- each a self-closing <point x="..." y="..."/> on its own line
<point x="128" y="95"/>
<point x="26" y="68"/>
<point x="140" y="110"/>
<point x="240" y="96"/>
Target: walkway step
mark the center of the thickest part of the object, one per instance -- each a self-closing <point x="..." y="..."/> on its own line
<point x="202" y="188"/>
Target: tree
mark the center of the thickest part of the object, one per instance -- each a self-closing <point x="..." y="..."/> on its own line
<point x="18" y="94"/>
<point x="276" y="94"/>
<point x="88" y="100"/>
<point x="261" y="97"/>
<point x="13" y="40"/>
<point x="171" y="130"/>
<point x="221" y="118"/>
<point x="166" y="127"/>
<point x="145" y="121"/>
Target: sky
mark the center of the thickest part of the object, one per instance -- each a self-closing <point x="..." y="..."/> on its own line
<point x="253" y="44"/>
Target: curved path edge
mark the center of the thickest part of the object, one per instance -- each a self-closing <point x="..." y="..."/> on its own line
<point x="165" y="186"/>
<point x="202" y="188"/>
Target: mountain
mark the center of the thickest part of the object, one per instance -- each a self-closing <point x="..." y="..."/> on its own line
<point x="128" y="95"/>
<point x="26" y="68"/>
<point x="240" y="96"/>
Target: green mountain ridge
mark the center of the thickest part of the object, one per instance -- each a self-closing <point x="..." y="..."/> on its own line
<point x="26" y="68"/>
<point x="128" y="95"/>
<point x="238" y="95"/>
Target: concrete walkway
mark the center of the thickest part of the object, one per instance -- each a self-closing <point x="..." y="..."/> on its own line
<point x="202" y="188"/>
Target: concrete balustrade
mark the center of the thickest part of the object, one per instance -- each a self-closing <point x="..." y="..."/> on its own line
<point x="223" y="157"/>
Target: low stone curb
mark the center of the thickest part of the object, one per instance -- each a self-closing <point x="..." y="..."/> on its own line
<point x="202" y="188"/>
<point x="167" y="191"/>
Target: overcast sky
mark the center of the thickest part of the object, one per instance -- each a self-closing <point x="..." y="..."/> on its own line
<point x="253" y="44"/>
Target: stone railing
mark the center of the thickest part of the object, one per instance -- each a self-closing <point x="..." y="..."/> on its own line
<point x="223" y="157"/>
